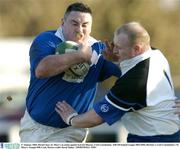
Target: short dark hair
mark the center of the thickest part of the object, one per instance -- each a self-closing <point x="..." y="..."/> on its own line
<point x="78" y="7"/>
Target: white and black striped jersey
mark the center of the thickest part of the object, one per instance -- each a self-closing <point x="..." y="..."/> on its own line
<point x="142" y="97"/>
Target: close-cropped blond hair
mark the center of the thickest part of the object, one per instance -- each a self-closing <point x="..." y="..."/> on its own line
<point x="136" y="33"/>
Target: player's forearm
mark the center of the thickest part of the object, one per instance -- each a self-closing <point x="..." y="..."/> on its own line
<point x="56" y="64"/>
<point x="87" y="120"/>
<point x="70" y="116"/>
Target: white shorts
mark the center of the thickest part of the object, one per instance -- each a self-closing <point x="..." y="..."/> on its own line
<point x="32" y="131"/>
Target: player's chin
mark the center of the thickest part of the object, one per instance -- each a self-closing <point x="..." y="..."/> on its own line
<point x="79" y="41"/>
<point x="74" y="39"/>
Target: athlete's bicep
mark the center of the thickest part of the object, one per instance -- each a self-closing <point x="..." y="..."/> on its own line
<point x="109" y="113"/>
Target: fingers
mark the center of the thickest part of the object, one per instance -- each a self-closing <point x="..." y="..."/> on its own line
<point x="65" y="104"/>
<point x="109" y="45"/>
<point x="65" y="111"/>
<point x="60" y="106"/>
<point x="63" y="108"/>
<point x="109" y="53"/>
<point x="177" y="112"/>
<point x="85" y="52"/>
<point x="177" y="106"/>
<point x="58" y="111"/>
<point x="177" y="103"/>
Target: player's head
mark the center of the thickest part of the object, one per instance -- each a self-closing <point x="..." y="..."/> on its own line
<point x="77" y="22"/>
<point x="130" y="40"/>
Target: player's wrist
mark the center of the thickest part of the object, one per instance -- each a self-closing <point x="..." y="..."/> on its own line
<point x="70" y="118"/>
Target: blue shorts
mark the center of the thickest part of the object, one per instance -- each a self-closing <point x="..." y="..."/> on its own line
<point x="159" y="138"/>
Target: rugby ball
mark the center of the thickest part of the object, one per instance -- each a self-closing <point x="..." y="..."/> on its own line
<point x="79" y="69"/>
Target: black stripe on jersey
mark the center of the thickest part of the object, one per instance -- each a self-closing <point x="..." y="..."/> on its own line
<point x="122" y="104"/>
<point x="167" y="78"/>
<point x="129" y="91"/>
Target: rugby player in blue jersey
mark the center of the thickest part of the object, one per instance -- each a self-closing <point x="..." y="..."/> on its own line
<point x="49" y="83"/>
<point x="142" y="98"/>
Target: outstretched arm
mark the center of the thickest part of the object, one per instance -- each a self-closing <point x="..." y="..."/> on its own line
<point x="70" y="116"/>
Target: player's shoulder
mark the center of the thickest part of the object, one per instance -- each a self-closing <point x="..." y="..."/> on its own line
<point x="157" y="55"/>
<point x="96" y="44"/>
<point x="45" y="40"/>
<point x="156" y="51"/>
<point x="46" y="35"/>
<point x="92" y="40"/>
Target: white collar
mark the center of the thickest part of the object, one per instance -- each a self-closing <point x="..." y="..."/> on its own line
<point x="59" y="34"/>
<point x="128" y="64"/>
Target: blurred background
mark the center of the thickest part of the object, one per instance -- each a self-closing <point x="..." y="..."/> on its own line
<point x="22" y="20"/>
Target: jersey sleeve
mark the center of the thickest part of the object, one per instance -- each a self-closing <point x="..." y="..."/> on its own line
<point x="109" y="113"/>
<point x="109" y="69"/>
<point x="40" y="48"/>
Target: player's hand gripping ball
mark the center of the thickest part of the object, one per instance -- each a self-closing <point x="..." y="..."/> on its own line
<point x="79" y="69"/>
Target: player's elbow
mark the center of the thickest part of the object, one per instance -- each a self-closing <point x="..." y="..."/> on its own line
<point x="43" y="69"/>
<point x="40" y="72"/>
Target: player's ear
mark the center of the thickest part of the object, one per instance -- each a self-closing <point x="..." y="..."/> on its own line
<point x="62" y="21"/>
<point x="137" y="49"/>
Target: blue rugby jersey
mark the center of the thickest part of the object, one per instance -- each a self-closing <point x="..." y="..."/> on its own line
<point x="43" y="94"/>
